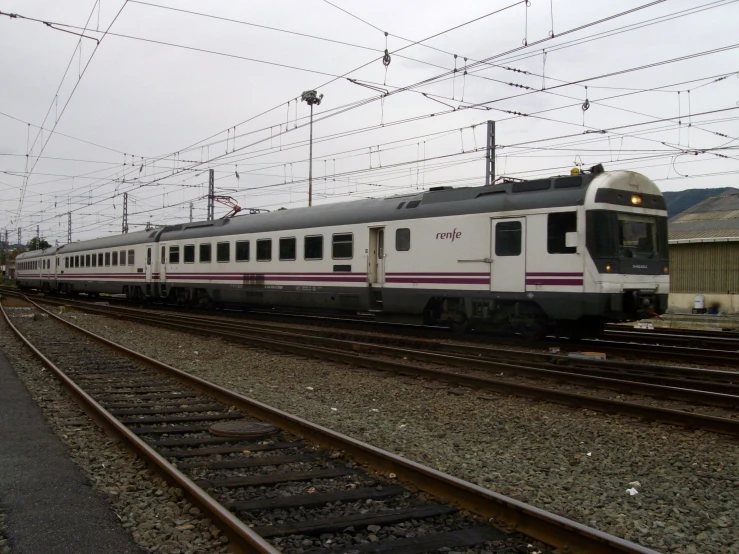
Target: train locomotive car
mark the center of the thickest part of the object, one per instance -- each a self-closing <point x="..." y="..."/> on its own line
<point x="562" y="254"/>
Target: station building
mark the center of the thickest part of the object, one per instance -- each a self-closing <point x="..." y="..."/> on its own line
<point x="704" y="256"/>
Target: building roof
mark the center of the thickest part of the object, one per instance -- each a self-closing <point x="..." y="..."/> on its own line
<point x="714" y="219"/>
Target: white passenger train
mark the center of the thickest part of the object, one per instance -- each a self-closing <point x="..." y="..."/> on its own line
<point x="565" y="254"/>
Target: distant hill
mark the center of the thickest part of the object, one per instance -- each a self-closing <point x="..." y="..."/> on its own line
<point x="678" y="202"/>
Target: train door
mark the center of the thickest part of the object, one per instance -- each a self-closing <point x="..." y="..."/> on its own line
<point x="149" y="263"/>
<point x="162" y="265"/>
<point x="508" y="253"/>
<point x="376" y="266"/>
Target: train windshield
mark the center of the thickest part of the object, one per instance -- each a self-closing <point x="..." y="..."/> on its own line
<point x="622" y="235"/>
<point x="637" y="236"/>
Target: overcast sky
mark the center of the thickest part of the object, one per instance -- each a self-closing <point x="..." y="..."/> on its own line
<point x="174" y="111"/>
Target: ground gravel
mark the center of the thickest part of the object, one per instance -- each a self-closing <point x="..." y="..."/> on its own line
<point x="157" y="516"/>
<point x="575" y="463"/>
<point x="4" y="546"/>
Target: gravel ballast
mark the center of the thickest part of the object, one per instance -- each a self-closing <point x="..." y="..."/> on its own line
<point x="575" y="463"/>
<point x="157" y="516"/>
<point x="4" y="546"/>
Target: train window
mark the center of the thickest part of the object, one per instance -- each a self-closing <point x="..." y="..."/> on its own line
<point x="94" y="260"/>
<point x="264" y="250"/>
<point x="100" y="259"/>
<point x="558" y="225"/>
<point x="287" y="248"/>
<point x="508" y="238"/>
<point x="130" y="257"/>
<point x="107" y="258"/>
<point x="403" y="240"/>
<point x="66" y="261"/>
<point x="342" y="247"/>
<point x="313" y="248"/>
<point x="76" y="261"/>
<point x="223" y="252"/>
<point x="174" y="254"/>
<point x="115" y="258"/>
<point x="122" y="257"/>
<point x="242" y="250"/>
<point x="148" y="256"/>
<point x="87" y="260"/>
<point x="164" y="254"/>
<point x="205" y="253"/>
<point x="188" y="254"/>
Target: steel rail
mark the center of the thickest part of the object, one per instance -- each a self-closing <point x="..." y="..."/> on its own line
<point x="529" y="520"/>
<point x="623" y="348"/>
<point x="464" y="361"/>
<point x="720" y="381"/>
<point x="240" y="535"/>
<point x="720" y="377"/>
<point x="306" y="346"/>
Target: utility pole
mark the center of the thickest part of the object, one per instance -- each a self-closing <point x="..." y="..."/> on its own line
<point x="69" y="227"/>
<point x="311" y="97"/>
<point x="490" y="155"/>
<point x="125" y="213"/>
<point x="7" y="245"/>
<point x="38" y="238"/>
<point x="19" y="237"/>
<point x="211" y="195"/>
<point x="190" y="212"/>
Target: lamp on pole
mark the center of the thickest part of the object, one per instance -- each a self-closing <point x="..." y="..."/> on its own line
<point x="311" y="97"/>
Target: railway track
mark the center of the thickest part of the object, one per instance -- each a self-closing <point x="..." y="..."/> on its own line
<point x="702" y="348"/>
<point x="504" y="371"/>
<point x="263" y="475"/>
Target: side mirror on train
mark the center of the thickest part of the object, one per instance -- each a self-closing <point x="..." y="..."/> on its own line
<point x="572" y="239"/>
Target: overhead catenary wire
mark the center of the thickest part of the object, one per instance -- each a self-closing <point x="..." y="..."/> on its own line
<point x="229" y="149"/>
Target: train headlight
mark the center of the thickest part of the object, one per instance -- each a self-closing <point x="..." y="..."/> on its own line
<point x="635" y="199"/>
<point x="608" y="267"/>
<point x="665" y="270"/>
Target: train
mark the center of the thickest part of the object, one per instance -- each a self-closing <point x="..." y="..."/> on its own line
<point x="563" y="255"/>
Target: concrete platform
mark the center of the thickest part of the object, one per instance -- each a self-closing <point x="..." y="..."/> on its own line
<point x="725" y="322"/>
<point x="49" y="506"/>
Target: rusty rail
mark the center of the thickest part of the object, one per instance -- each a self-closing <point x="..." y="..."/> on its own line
<point x="534" y="522"/>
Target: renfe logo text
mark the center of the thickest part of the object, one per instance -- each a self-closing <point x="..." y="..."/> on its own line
<point x="453" y="235"/>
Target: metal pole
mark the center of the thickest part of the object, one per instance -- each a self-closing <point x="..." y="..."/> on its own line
<point x="69" y="227"/>
<point x="38" y="239"/>
<point x="19" y="237"/>
<point x="190" y="212"/>
<point x="490" y="155"/>
<point x="310" y="161"/>
<point x="125" y="213"/>
<point x="311" y="97"/>
<point x="211" y="195"/>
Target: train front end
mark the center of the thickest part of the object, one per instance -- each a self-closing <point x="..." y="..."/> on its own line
<point x="627" y="263"/>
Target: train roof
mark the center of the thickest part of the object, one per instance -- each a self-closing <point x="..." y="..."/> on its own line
<point x="439" y="202"/>
<point x="33" y="254"/>
<point x="115" y="241"/>
<point x="552" y="192"/>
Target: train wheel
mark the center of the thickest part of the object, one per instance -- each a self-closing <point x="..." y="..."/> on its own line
<point x="459" y="323"/>
<point x="533" y="330"/>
